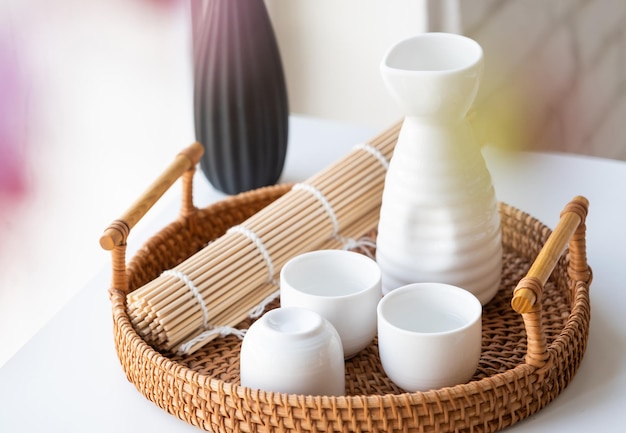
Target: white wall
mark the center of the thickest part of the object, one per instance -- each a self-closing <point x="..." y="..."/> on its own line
<point x="331" y="50"/>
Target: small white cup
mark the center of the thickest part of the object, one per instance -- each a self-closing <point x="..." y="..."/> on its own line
<point x="429" y="335"/>
<point x="342" y="286"/>
<point x="294" y="351"/>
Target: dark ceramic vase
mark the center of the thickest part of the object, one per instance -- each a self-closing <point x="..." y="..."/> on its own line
<point x="240" y="99"/>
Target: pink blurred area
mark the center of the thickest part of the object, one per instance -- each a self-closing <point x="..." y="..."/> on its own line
<point x="13" y="148"/>
<point x="33" y="35"/>
<point x="13" y="101"/>
<point x="95" y="99"/>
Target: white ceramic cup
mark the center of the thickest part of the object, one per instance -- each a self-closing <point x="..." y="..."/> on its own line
<point x="294" y="351"/>
<point x="342" y="286"/>
<point x="429" y="335"/>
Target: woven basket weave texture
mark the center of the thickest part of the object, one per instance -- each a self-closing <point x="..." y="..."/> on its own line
<point x="203" y="388"/>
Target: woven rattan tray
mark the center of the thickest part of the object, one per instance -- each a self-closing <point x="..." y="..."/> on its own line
<point x="527" y="359"/>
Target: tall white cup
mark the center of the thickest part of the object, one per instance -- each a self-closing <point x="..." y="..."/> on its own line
<point x="429" y="335"/>
<point x="342" y="286"/>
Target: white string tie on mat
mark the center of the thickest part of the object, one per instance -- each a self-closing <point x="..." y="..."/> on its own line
<point x="364" y="244"/>
<point x="347" y="243"/>
<point x="375" y="153"/>
<point x="324" y="202"/>
<point x="210" y="330"/>
<point x="196" y="293"/>
<point x="222" y="331"/>
<point x="260" y="246"/>
<point x="257" y="311"/>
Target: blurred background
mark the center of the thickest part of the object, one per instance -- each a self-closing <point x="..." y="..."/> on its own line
<point x="96" y="99"/>
<point x="555" y="71"/>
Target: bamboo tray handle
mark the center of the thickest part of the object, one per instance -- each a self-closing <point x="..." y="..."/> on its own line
<point x="114" y="237"/>
<point x="527" y="295"/>
<point x="186" y="160"/>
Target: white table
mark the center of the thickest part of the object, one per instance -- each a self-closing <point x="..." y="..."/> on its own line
<point x="67" y="378"/>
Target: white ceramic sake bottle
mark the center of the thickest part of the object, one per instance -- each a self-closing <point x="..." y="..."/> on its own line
<point x="439" y="219"/>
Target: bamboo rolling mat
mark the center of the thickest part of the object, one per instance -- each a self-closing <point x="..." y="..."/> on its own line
<point x="221" y="285"/>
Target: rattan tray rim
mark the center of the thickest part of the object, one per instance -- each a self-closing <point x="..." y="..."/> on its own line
<point x="198" y="385"/>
